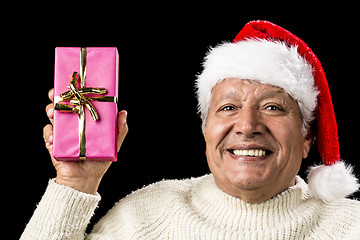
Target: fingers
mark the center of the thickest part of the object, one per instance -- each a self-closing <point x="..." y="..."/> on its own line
<point x="122" y="128"/>
<point x="51" y="94"/>
<point x="48" y="137"/>
<point x="50" y="112"/>
<point x="50" y="107"/>
<point x="48" y="129"/>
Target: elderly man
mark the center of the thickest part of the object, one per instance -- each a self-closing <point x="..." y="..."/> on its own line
<point x="258" y="98"/>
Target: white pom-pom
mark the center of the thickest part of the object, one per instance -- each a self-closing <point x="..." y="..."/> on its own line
<point x="331" y="183"/>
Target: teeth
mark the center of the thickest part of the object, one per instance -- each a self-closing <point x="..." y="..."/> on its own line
<point x="250" y="152"/>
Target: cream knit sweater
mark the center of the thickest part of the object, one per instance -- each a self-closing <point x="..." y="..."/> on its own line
<point x="193" y="209"/>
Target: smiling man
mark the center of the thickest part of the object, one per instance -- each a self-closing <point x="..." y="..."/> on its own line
<point x="254" y="140"/>
<point x="258" y="98"/>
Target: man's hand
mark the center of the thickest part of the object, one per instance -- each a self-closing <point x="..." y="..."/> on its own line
<point x="84" y="176"/>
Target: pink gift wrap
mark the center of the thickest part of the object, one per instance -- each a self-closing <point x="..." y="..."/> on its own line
<point x="100" y="135"/>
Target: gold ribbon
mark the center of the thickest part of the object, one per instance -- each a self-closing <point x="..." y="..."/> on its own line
<point x="77" y="95"/>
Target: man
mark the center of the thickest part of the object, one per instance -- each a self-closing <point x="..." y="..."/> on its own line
<point x="258" y="98"/>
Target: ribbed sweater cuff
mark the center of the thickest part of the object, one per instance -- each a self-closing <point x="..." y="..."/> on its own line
<point x="63" y="213"/>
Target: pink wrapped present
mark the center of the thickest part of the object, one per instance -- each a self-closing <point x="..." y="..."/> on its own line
<point x="85" y="103"/>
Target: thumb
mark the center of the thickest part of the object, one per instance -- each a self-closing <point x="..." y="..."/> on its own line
<point x="122" y="128"/>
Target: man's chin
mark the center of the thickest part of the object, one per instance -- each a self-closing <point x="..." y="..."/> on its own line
<point x="247" y="181"/>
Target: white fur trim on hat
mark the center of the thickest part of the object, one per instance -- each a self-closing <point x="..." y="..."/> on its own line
<point x="331" y="183"/>
<point x="264" y="61"/>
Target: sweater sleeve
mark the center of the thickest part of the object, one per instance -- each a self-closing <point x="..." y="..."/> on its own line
<point x="63" y="213"/>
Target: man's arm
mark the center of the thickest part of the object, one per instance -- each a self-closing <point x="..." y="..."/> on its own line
<point x="63" y="213"/>
<point x="71" y="198"/>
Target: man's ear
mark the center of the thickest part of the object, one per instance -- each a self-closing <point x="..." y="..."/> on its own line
<point x="308" y="141"/>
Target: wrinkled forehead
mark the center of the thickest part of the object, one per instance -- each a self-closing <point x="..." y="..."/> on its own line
<point x="238" y="89"/>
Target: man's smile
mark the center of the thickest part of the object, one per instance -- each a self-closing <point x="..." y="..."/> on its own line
<point x="249" y="152"/>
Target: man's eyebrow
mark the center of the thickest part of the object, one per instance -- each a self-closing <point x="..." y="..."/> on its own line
<point x="273" y="92"/>
<point x="231" y="95"/>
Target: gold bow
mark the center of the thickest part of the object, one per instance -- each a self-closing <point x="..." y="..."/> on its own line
<point x="77" y="97"/>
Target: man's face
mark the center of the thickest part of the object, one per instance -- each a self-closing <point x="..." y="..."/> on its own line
<point x="254" y="142"/>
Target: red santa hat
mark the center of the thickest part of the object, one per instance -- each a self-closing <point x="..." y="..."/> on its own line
<point x="267" y="53"/>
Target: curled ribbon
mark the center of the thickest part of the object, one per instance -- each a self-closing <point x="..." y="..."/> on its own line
<point x="77" y="95"/>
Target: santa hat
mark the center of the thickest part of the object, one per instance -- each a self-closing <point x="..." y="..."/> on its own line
<point x="269" y="54"/>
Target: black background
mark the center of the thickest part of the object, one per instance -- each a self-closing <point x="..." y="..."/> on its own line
<point x="161" y="50"/>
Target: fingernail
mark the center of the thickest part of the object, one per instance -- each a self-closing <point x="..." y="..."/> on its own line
<point x="51" y="93"/>
<point x="50" y="113"/>
<point x="50" y="140"/>
<point x="123" y="114"/>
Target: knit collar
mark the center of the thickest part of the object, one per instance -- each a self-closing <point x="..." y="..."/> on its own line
<point x="230" y="212"/>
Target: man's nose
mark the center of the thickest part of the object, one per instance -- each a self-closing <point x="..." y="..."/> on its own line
<point x="249" y="123"/>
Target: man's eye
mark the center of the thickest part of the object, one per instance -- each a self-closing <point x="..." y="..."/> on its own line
<point x="228" y="108"/>
<point x="273" y="108"/>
